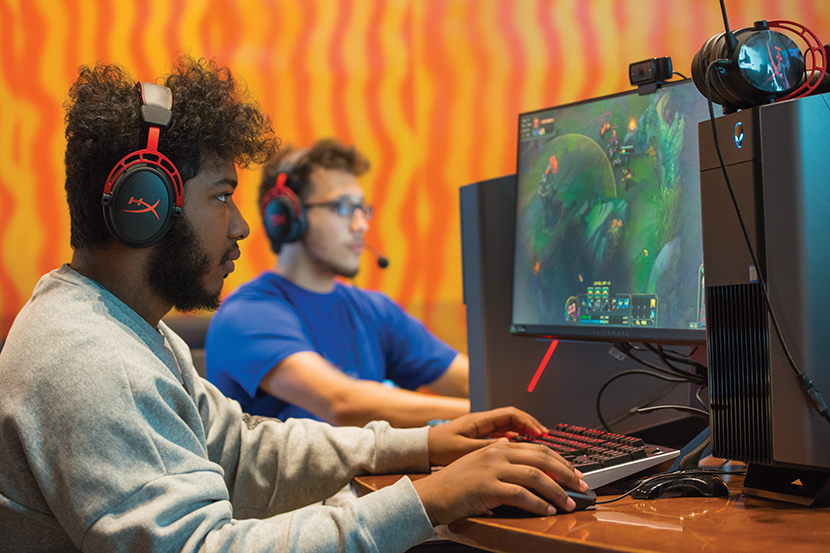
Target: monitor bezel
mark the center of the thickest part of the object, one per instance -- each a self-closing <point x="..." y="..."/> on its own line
<point x="664" y="336"/>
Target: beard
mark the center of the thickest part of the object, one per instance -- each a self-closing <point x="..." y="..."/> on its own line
<point x="178" y="267"/>
<point x="346" y="272"/>
<point x="326" y="261"/>
<point x="337" y="269"/>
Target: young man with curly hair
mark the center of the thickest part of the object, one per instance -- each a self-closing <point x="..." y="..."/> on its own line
<point x="296" y="342"/>
<point x="109" y="440"/>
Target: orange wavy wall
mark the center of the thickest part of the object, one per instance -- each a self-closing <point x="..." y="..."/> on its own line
<point x="429" y="90"/>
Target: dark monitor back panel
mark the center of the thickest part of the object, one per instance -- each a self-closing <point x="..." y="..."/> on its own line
<point x="502" y="365"/>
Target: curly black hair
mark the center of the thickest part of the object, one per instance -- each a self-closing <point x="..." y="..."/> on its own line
<point x="213" y="117"/>
<point x="299" y="164"/>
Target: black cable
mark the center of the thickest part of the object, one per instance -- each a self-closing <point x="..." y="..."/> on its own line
<point x="697" y="395"/>
<point x="623" y="496"/>
<point x="665" y="360"/>
<point x="627" y="348"/>
<point x="680" y="357"/>
<point x="663" y="392"/>
<point x="654" y="374"/>
<point x="686" y="408"/>
<point x="674" y="375"/>
<point x="813" y="395"/>
<point x="702" y="370"/>
<point x="672" y="355"/>
<point x="681" y="75"/>
<point x="693" y="378"/>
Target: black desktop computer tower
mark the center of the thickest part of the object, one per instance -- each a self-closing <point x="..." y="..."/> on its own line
<point x="778" y="161"/>
<point x="502" y="365"/>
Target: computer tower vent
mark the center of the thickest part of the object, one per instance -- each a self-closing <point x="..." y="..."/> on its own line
<point x="739" y="373"/>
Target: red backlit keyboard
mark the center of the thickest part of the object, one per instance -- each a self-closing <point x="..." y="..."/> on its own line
<point x="604" y="457"/>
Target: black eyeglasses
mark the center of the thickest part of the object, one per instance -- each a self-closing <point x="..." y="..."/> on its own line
<point x="345" y="208"/>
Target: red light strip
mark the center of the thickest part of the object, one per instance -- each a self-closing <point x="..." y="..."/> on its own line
<point x="542" y="365"/>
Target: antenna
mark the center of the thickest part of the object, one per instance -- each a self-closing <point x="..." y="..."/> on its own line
<point x="731" y="41"/>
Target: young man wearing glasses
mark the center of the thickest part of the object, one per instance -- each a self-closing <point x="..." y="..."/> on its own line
<point x="295" y="342"/>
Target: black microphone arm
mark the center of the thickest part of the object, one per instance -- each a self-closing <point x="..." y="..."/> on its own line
<point x="382" y="261"/>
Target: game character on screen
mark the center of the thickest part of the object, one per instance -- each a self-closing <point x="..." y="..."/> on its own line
<point x="572" y="310"/>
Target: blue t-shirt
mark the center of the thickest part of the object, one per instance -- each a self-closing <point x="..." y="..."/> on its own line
<point x="363" y="333"/>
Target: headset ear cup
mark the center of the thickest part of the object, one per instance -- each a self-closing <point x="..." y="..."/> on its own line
<point x="721" y="86"/>
<point x="711" y="51"/>
<point x="144" y="190"/>
<point x="283" y="224"/>
<point x="728" y="84"/>
<point x="141" y="205"/>
<point x="700" y="63"/>
<point x="698" y="76"/>
<point x="301" y="224"/>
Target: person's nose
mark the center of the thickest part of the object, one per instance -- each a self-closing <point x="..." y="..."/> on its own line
<point x="238" y="229"/>
<point x="359" y="220"/>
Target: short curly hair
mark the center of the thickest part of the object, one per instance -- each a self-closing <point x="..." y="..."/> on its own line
<point x="212" y="118"/>
<point x="300" y="163"/>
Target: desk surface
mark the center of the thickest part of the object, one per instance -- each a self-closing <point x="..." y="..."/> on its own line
<point x="735" y="523"/>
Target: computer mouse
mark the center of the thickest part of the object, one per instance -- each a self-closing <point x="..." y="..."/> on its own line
<point x="691" y="483"/>
<point x="583" y="500"/>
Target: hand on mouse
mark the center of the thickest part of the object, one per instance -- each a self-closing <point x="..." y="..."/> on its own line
<point x="501" y="473"/>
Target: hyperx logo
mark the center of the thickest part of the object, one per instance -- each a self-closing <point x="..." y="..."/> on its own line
<point x="277" y="220"/>
<point x="148" y="207"/>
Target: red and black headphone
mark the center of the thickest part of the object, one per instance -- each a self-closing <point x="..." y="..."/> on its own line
<point x="283" y="214"/>
<point x="144" y="191"/>
<point x="759" y="65"/>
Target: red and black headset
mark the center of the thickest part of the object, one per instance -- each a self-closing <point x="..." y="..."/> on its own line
<point x="759" y="65"/>
<point x="144" y="192"/>
<point x="283" y="214"/>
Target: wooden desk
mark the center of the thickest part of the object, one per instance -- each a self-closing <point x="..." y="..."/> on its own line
<point x="736" y="524"/>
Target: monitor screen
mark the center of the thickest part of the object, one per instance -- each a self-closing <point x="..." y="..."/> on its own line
<point x="608" y="234"/>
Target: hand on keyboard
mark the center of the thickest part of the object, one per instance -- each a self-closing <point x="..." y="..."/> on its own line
<point x="603" y="457"/>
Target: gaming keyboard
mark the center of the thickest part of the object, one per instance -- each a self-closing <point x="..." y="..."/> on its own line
<point x="603" y="457"/>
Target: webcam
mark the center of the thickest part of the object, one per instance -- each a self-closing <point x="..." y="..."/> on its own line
<point x="655" y="70"/>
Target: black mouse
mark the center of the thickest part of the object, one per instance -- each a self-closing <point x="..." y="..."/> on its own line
<point x="689" y="483"/>
<point x="583" y="500"/>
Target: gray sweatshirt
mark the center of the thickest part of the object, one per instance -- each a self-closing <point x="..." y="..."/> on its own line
<point x="110" y="441"/>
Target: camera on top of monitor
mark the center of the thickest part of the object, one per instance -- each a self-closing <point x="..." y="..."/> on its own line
<point x="648" y="75"/>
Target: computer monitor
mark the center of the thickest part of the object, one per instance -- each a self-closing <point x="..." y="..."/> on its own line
<point x="607" y="230"/>
<point x="503" y="365"/>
